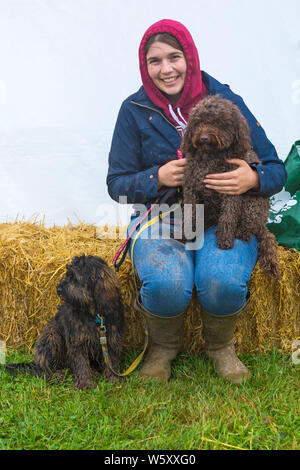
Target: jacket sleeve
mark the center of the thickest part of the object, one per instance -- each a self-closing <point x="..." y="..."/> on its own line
<point x="271" y="172"/>
<point x="126" y="177"/>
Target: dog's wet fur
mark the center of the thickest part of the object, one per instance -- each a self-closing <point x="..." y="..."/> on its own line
<point x="217" y="131"/>
<point x="69" y="343"/>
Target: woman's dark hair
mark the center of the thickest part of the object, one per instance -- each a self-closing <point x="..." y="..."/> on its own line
<point x="165" y="38"/>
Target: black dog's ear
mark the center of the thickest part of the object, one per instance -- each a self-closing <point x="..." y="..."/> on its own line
<point x="106" y="286"/>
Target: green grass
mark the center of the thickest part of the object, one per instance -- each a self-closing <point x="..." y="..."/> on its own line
<point x="195" y="410"/>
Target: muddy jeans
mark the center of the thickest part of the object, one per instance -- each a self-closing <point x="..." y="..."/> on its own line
<point x="168" y="272"/>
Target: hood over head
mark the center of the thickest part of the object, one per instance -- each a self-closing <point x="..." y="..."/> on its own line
<point x="194" y="89"/>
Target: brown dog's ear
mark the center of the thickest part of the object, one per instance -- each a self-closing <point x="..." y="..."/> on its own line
<point x="183" y="146"/>
<point x="242" y="133"/>
<point x="187" y="140"/>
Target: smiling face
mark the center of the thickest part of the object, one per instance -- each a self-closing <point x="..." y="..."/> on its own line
<point x="167" y="69"/>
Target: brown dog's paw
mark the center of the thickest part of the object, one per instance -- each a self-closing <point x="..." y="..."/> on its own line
<point x="224" y="243"/>
<point x="244" y="236"/>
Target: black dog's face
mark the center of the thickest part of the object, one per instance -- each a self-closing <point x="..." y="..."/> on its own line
<point x="87" y="280"/>
<point x="75" y="287"/>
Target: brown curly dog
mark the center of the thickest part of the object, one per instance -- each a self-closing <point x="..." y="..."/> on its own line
<point x="217" y="131"/>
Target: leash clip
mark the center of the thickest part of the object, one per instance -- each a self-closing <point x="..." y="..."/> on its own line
<point x="100" y="321"/>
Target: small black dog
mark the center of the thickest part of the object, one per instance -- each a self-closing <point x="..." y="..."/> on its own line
<point x="70" y="341"/>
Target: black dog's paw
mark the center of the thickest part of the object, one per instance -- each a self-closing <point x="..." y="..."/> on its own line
<point x="115" y="379"/>
<point x="84" y="382"/>
<point x="111" y="377"/>
<point x="85" y="385"/>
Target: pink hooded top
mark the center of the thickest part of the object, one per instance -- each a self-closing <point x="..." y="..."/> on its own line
<point x="194" y="89"/>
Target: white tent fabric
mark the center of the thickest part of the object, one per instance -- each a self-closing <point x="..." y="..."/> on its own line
<point x="66" y="66"/>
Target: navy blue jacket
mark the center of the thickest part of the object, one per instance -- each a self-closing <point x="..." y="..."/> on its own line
<point x="144" y="140"/>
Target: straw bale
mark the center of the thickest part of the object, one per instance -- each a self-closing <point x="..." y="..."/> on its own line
<point x="33" y="259"/>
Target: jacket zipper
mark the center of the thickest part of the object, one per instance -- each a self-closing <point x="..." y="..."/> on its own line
<point x="156" y="111"/>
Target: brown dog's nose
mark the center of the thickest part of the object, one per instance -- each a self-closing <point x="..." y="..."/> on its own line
<point x="202" y="138"/>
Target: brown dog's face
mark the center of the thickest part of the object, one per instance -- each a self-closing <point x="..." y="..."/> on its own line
<point x="215" y="124"/>
<point x="214" y="129"/>
<point x="210" y="138"/>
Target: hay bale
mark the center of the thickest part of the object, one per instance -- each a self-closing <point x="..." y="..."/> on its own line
<point x="33" y="259"/>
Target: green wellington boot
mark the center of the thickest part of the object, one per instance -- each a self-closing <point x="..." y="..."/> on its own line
<point x="218" y="333"/>
<point x="165" y="341"/>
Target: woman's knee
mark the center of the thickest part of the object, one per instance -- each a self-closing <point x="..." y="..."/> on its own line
<point x="220" y="297"/>
<point x="167" y="276"/>
<point x="166" y="298"/>
<point x="222" y="276"/>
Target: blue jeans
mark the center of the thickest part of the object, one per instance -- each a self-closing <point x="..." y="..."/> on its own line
<point x="168" y="273"/>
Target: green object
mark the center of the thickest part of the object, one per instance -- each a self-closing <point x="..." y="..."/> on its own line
<point x="292" y="166"/>
<point x="284" y="220"/>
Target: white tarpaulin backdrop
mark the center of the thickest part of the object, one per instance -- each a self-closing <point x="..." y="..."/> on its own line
<point x="66" y="66"/>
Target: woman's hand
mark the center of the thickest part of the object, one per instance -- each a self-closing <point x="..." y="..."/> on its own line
<point x="234" y="182"/>
<point x="171" y="173"/>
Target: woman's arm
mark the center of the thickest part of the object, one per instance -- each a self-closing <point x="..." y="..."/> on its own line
<point x="126" y="177"/>
<point x="271" y="172"/>
<point x="235" y="182"/>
